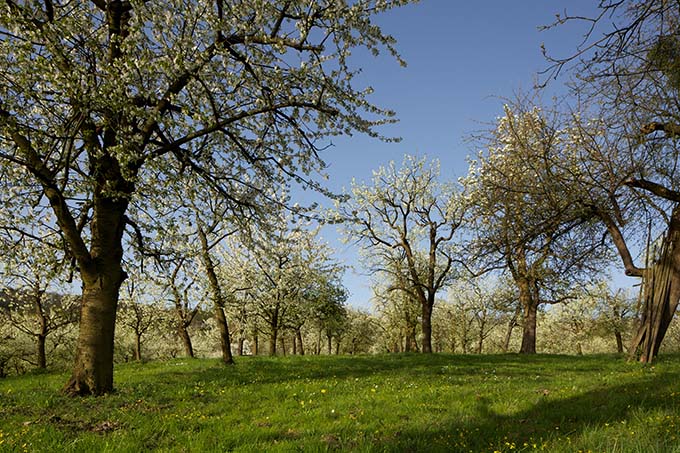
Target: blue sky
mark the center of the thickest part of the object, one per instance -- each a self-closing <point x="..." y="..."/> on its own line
<point x="463" y="58"/>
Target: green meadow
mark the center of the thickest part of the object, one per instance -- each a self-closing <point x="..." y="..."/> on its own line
<point x="401" y="403"/>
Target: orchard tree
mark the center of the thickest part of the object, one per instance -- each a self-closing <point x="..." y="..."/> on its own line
<point x="282" y="270"/>
<point x="408" y="214"/>
<point x="36" y="302"/>
<point x="628" y="67"/>
<point x="524" y="221"/>
<point x="104" y="103"/>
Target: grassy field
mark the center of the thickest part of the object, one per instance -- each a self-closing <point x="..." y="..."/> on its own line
<point x="401" y="403"/>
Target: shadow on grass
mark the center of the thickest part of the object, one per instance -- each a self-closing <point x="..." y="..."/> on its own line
<point x="552" y="419"/>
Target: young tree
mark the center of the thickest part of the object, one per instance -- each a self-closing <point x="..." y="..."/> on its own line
<point x="408" y="213"/>
<point x="103" y="103"/>
<point x="36" y="302"/>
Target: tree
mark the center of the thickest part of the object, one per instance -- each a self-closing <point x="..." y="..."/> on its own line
<point x="104" y="103"/>
<point x="628" y="69"/>
<point x="408" y="214"/>
<point x="137" y="315"/>
<point x="35" y="301"/>
<point x="524" y="221"/>
<point x="283" y="272"/>
<point x="174" y="274"/>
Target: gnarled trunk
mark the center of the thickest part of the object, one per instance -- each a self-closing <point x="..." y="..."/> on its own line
<point x="662" y="292"/>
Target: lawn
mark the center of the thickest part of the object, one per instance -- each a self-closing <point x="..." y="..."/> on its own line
<point x="401" y="403"/>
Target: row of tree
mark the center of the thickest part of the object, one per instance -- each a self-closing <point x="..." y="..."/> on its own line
<point x="477" y="317"/>
<point x="133" y="138"/>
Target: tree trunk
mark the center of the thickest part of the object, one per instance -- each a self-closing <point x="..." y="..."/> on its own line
<point x="186" y="340"/>
<point x="283" y="344"/>
<point x="225" y="340"/>
<point x="530" y="306"/>
<point x="337" y="345"/>
<point x="218" y="299"/>
<point x="662" y="291"/>
<point x="138" y="347"/>
<point x="511" y="326"/>
<point x="330" y="346"/>
<point x="273" y="338"/>
<point x="241" y="341"/>
<point x="256" y="344"/>
<point x="619" y="341"/>
<point x="298" y="333"/>
<point x="529" y="332"/>
<point x="93" y="369"/>
<point x="427" y="325"/>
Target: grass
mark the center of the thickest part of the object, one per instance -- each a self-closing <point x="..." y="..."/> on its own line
<point x="400" y="403"/>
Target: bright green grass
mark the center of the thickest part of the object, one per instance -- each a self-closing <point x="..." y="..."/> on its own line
<point x="367" y="403"/>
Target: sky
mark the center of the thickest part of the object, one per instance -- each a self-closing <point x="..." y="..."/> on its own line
<point x="463" y="58"/>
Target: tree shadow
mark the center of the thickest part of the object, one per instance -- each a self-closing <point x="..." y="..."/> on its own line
<point x="551" y="418"/>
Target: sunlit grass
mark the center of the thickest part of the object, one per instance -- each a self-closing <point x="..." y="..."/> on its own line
<point x="413" y="402"/>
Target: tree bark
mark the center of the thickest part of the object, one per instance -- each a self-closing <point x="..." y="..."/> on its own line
<point x="42" y="357"/>
<point x="298" y="333"/>
<point x="427" y="326"/>
<point x="662" y="293"/>
<point x="93" y="369"/>
<point x="619" y="341"/>
<point x="138" y="347"/>
<point x="218" y="299"/>
<point x="186" y="340"/>
<point x="241" y="341"/>
<point x="529" y="325"/>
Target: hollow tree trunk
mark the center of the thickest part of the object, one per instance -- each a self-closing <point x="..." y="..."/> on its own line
<point x="662" y="292"/>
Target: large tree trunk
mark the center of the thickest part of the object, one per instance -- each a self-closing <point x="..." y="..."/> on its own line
<point x="529" y="329"/>
<point x="186" y="340"/>
<point x="93" y="369"/>
<point x="427" y="325"/>
<point x="662" y="292"/>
